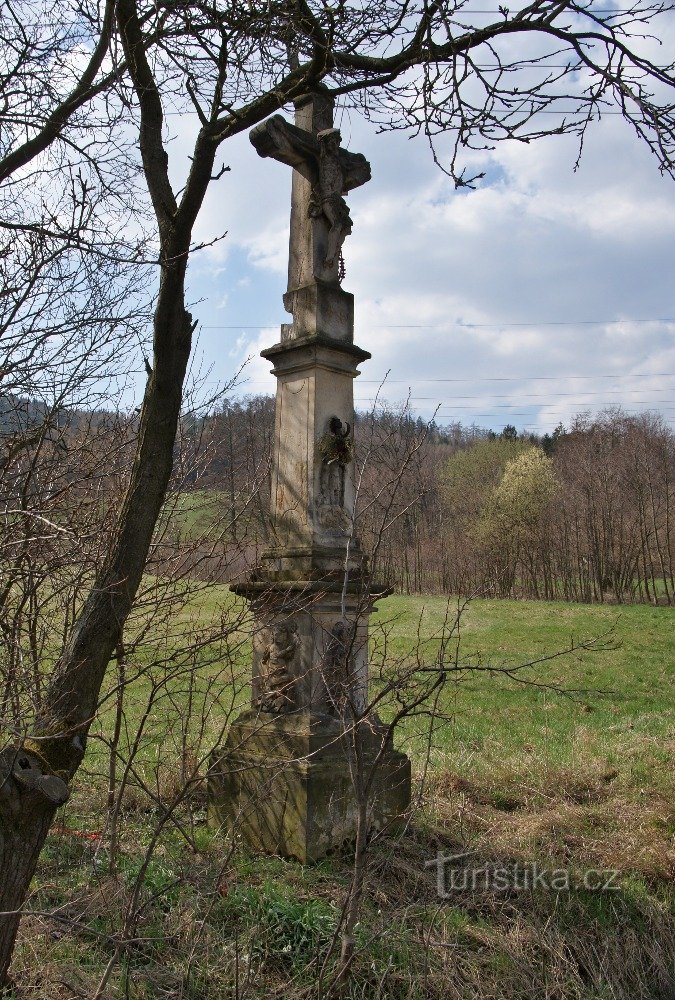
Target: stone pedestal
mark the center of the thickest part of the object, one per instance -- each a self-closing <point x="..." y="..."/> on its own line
<point x="319" y="309"/>
<point x="286" y="779"/>
<point x="286" y="785"/>
<point x="312" y="477"/>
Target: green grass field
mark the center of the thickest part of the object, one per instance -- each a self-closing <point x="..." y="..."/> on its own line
<point x="620" y="694"/>
<point x="206" y="514"/>
<point x="519" y="774"/>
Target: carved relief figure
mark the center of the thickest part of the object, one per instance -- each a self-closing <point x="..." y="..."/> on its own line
<point x="335" y="669"/>
<point x="278" y="694"/>
<point x="336" y="449"/>
<point x="331" y="171"/>
<point x="327" y="192"/>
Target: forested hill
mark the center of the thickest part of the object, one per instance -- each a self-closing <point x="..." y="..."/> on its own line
<point x="18" y="414"/>
<point x="584" y="513"/>
<point x="581" y="514"/>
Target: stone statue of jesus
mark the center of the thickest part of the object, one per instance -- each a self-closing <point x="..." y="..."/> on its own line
<point x="327" y="194"/>
<point x="331" y="171"/>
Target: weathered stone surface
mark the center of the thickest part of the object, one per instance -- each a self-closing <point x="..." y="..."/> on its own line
<point x="314" y="387"/>
<point x="285" y="778"/>
<point x="319" y="310"/>
<point x="311" y="622"/>
<point x="285" y="785"/>
<point x="323" y="173"/>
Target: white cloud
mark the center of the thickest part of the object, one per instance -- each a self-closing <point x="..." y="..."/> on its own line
<point x="501" y="282"/>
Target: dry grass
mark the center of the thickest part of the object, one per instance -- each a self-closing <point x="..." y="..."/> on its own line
<point x="266" y="923"/>
<point x="586" y="817"/>
<point x="517" y="779"/>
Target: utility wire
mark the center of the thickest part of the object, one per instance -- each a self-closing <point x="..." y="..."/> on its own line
<point x="548" y="395"/>
<point x="464" y="326"/>
<point x="521" y="401"/>
<point x="496" y="378"/>
<point x="512" y="378"/>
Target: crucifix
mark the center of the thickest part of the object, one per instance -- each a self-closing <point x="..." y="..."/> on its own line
<point x="312" y="480"/>
<point x="284" y="778"/>
<point x="320" y="222"/>
<point x="320" y="219"/>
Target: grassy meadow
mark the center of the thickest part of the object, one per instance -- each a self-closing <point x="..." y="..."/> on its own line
<point x="516" y="772"/>
<point x="618" y="695"/>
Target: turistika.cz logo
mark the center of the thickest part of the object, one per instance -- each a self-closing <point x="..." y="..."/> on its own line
<point x="456" y="873"/>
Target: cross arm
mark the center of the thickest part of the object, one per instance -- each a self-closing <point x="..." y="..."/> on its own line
<point x="300" y="149"/>
<point x="355" y="169"/>
<point x="287" y="143"/>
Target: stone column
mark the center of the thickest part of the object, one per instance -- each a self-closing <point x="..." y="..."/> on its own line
<point x="285" y="778"/>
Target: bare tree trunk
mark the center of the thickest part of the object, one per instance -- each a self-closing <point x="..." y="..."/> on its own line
<point x="114" y="802"/>
<point x="659" y="549"/>
<point x="353" y="905"/>
<point x="70" y="704"/>
<point x="56" y="750"/>
<point x="26" y="814"/>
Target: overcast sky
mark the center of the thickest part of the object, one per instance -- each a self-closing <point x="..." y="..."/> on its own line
<point x="541" y="294"/>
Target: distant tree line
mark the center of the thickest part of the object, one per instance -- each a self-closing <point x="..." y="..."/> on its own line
<point x="588" y="517"/>
<point x="583" y="514"/>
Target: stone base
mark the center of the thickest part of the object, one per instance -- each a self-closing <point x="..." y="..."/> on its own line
<point x="319" y="308"/>
<point x="284" y="784"/>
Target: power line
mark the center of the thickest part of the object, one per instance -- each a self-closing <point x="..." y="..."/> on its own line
<point x="511" y="378"/>
<point x="496" y="378"/>
<point x="523" y="400"/>
<point x="551" y="412"/>
<point x="504" y="116"/>
<point x="385" y="382"/>
<point x="557" y="395"/>
<point x="575" y="10"/>
<point x="464" y="326"/>
<point x="523" y="413"/>
<point x="471" y="10"/>
<point x="560" y="322"/>
<point x="535" y="419"/>
<point x="534" y="406"/>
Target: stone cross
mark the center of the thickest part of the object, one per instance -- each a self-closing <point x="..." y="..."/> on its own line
<point x="284" y="777"/>
<point x="320" y="222"/>
<point x="316" y="361"/>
